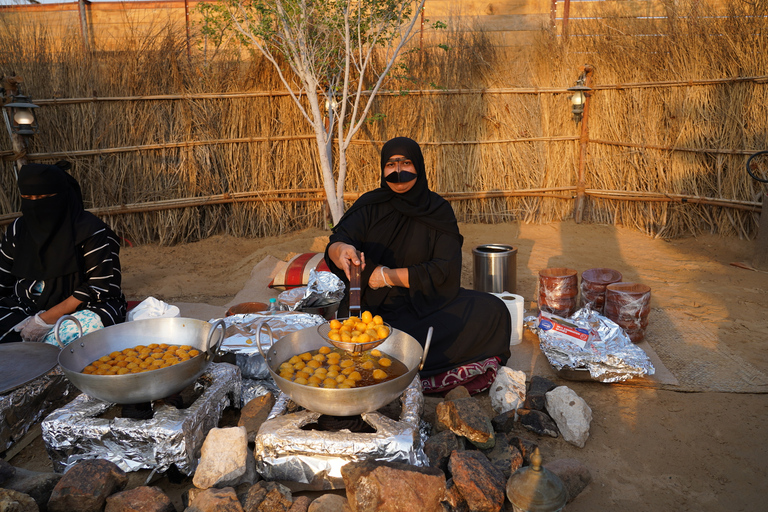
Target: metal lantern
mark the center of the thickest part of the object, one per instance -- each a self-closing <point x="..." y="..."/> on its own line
<point x="578" y="99"/>
<point x="535" y="488"/>
<point x="22" y="115"/>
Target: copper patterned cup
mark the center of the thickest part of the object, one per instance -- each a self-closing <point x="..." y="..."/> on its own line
<point x="593" y="283"/>
<point x="628" y="304"/>
<point x="558" y="291"/>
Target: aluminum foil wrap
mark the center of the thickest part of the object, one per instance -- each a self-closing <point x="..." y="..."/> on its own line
<point x="243" y="331"/>
<point x="285" y="452"/>
<point x="255" y="388"/>
<point x="172" y="436"/>
<point x="27" y="405"/>
<point x="608" y="354"/>
<point x="323" y="288"/>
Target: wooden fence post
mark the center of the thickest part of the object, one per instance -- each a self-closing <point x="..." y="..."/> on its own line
<point x="760" y="256"/>
<point x="84" y="25"/>
<point x="578" y="211"/>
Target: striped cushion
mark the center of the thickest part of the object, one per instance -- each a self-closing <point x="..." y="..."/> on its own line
<point x="296" y="271"/>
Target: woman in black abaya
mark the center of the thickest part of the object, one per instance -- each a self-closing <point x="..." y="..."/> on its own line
<point x="407" y="241"/>
<point x="56" y="259"/>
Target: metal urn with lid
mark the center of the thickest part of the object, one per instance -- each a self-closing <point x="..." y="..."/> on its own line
<point x="535" y="488"/>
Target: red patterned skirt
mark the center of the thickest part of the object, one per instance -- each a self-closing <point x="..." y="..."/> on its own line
<point x="476" y="377"/>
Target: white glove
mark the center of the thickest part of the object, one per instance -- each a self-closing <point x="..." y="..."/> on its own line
<point x="33" y="328"/>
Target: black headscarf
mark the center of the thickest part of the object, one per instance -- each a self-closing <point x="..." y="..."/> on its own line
<point x="419" y="202"/>
<point x="50" y="228"/>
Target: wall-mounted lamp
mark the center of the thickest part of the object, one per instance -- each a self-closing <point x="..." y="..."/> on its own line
<point x="21" y="115"/>
<point x="578" y="98"/>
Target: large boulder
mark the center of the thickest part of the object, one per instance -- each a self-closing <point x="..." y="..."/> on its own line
<point x="480" y="484"/>
<point x="393" y="487"/>
<point x="86" y="486"/>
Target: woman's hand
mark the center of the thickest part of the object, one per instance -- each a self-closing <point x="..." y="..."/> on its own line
<point x="344" y="256"/>
<point x="33" y="328"/>
<point x="379" y="279"/>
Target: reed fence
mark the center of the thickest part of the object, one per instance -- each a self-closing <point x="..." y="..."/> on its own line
<point x="171" y="148"/>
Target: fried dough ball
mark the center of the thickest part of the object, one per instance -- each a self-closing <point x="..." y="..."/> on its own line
<point x="379" y="374"/>
<point x="385" y="362"/>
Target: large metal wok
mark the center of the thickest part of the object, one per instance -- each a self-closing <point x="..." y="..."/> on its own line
<point x="139" y="387"/>
<point x="344" y="402"/>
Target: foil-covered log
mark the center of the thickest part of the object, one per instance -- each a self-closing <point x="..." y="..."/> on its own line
<point x="590" y="341"/>
<point x="243" y="332"/>
<point x="284" y="451"/>
<point x="323" y="288"/>
<point x="27" y="405"/>
<point x="171" y="437"/>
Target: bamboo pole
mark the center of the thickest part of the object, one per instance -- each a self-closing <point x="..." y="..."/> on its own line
<point x="424" y="92"/>
<point x="271" y="196"/>
<point x="188" y="144"/>
<point x="673" y="148"/>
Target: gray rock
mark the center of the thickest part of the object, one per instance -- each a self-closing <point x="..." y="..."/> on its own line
<point x="537" y="422"/>
<point x="14" y="501"/>
<point x="465" y="417"/>
<point x="223" y="458"/>
<point x="571" y="414"/>
<point x="508" y="390"/>
<point x="506" y="458"/>
<point x="540" y="385"/>
<point x="573" y="473"/>
<point x="6" y="471"/>
<point x="438" y="448"/>
<point x="504" y="422"/>
<point x="36" y="484"/>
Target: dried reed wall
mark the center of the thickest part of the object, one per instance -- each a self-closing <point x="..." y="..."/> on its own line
<point x="172" y="147"/>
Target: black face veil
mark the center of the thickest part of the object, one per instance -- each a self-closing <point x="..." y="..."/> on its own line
<point x="47" y="230"/>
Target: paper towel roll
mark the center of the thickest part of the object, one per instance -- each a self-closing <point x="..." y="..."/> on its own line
<point x="515" y="305"/>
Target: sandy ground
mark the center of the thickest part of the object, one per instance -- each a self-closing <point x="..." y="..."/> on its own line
<point x="651" y="447"/>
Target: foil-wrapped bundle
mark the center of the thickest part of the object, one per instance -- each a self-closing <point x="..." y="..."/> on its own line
<point x="243" y="332"/>
<point x="25" y="406"/>
<point x="86" y="429"/>
<point x="323" y="289"/>
<point x="285" y="451"/>
<point x="590" y="341"/>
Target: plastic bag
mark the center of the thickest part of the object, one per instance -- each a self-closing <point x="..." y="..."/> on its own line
<point x="153" y="308"/>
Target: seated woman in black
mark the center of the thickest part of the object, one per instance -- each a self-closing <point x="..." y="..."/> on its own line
<point x="407" y="241"/>
<point x="56" y="259"/>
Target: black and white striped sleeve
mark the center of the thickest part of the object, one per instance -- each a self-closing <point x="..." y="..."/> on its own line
<point x="7" y="251"/>
<point x="102" y="268"/>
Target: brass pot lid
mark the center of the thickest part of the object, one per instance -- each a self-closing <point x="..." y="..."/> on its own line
<point x="23" y="362"/>
<point x="536" y="489"/>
